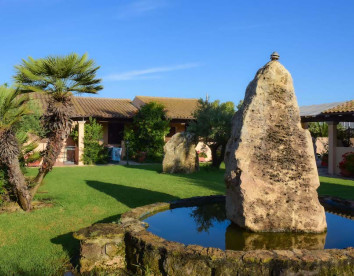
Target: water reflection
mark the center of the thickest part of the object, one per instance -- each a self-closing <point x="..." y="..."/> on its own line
<point x="207" y="225"/>
<point x="206" y="215"/>
<point x="236" y="239"/>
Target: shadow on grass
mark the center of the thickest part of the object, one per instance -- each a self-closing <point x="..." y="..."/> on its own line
<point x="337" y="190"/>
<point x="71" y="246"/>
<point x="129" y="196"/>
<point x="207" y="176"/>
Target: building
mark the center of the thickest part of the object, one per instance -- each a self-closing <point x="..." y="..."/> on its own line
<point x="116" y="114"/>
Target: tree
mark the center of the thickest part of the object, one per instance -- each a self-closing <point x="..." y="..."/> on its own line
<point x="58" y="77"/>
<point x="148" y="131"/>
<point x="213" y="126"/>
<point x="94" y="151"/>
<point x="12" y="109"/>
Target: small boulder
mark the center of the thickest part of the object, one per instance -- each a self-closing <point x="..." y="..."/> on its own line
<point x="180" y="154"/>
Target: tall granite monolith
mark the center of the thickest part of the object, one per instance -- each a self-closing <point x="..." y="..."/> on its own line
<point x="271" y="175"/>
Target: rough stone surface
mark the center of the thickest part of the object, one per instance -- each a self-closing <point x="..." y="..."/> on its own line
<point x="180" y="154"/>
<point x="271" y="175"/>
<point x="105" y="251"/>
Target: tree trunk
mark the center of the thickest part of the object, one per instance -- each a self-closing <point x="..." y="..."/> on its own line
<point x="217" y="159"/>
<point x="9" y="151"/>
<point x="57" y="121"/>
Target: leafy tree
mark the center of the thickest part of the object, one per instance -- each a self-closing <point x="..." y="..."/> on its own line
<point x="57" y="77"/>
<point x="318" y="129"/>
<point x="13" y="107"/>
<point x="148" y="131"/>
<point x="94" y="152"/>
<point x="213" y="125"/>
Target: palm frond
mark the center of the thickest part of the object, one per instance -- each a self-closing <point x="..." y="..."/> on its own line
<point x="13" y="106"/>
<point x="58" y="75"/>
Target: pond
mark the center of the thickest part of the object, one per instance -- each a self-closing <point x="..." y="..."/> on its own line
<point x="207" y="225"/>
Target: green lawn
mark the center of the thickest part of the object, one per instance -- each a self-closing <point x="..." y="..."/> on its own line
<point x="41" y="243"/>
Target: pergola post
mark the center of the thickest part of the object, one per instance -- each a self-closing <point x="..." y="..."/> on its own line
<point x="81" y="146"/>
<point x="332" y="145"/>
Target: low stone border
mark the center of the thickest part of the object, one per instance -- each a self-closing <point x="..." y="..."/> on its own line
<point x="128" y="248"/>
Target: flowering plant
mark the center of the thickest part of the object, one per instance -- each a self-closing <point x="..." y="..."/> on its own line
<point x="324" y="160"/>
<point x="202" y="154"/>
<point x="347" y="164"/>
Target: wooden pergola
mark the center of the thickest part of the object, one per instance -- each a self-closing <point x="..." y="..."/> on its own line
<point x="332" y="114"/>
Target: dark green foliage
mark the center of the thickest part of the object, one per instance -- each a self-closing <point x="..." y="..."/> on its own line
<point x="28" y="125"/>
<point x="320" y="129"/>
<point x="94" y="152"/>
<point x="347" y="163"/>
<point x="4" y="188"/>
<point x="58" y="75"/>
<point x="31" y="123"/>
<point x="213" y="126"/>
<point x="147" y="133"/>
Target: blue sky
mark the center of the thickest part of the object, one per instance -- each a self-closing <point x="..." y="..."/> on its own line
<point x="187" y="48"/>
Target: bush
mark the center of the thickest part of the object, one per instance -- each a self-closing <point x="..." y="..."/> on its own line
<point x="146" y="136"/>
<point x="347" y="164"/>
<point x="94" y="152"/>
<point x="3" y="185"/>
<point x="29" y="124"/>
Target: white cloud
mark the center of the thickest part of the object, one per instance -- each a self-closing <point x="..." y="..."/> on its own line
<point x="146" y="73"/>
<point x="140" y="7"/>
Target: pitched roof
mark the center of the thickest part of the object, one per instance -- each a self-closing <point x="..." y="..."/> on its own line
<point x="94" y="107"/>
<point x="342" y="108"/>
<point x="313" y="110"/>
<point x="176" y="108"/>
<point x="104" y="107"/>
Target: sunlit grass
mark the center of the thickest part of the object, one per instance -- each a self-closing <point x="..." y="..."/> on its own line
<point x="41" y="242"/>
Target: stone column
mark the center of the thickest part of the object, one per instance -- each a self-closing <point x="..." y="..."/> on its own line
<point x="332" y="145"/>
<point x="81" y="146"/>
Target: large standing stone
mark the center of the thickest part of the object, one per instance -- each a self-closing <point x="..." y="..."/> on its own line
<point x="271" y="175"/>
<point x="180" y="154"/>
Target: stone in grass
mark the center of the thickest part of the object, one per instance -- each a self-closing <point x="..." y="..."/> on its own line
<point x="180" y="154"/>
<point x="271" y="174"/>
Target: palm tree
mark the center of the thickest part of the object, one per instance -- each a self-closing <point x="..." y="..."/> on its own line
<point x="57" y="77"/>
<point x="12" y="110"/>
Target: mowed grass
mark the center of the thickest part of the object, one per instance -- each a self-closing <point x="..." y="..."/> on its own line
<point x="41" y="242"/>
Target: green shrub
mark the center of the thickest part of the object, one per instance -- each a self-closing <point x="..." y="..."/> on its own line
<point x="347" y="164"/>
<point x="146" y="136"/>
<point x="29" y="124"/>
<point x="3" y="185"/>
<point x="94" y="152"/>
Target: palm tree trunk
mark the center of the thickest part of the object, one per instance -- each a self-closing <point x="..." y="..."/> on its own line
<point x="57" y="120"/>
<point x="9" y="151"/>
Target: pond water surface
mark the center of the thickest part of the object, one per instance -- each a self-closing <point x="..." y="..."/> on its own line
<point x="207" y="225"/>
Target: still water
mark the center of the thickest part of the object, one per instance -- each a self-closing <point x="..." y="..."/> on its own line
<point x="207" y="225"/>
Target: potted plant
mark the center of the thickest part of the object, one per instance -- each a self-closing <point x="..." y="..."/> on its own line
<point x="324" y="160"/>
<point x="202" y="156"/>
<point x="347" y="164"/>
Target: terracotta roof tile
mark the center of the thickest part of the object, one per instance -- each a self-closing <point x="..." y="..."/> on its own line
<point x="94" y="106"/>
<point x="341" y="108"/>
<point x="176" y="108"/>
<point x="105" y="108"/>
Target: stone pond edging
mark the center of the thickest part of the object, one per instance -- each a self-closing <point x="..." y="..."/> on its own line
<point x="127" y="248"/>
